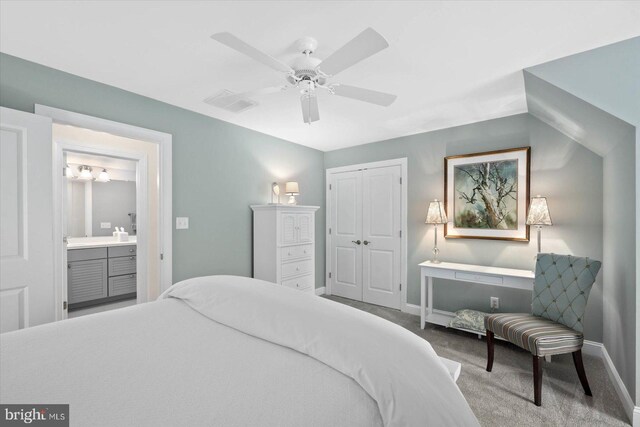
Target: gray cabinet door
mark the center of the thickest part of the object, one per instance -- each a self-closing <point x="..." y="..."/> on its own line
<point x="87" y="280"/>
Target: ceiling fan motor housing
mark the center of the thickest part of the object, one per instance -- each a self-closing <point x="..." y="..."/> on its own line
<point x="304" y="68"/>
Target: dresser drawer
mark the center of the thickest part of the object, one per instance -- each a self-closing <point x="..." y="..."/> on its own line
<point x="122" y="265"/>
<point x="479" y="278"/>
<point x="297" y="268"/>
<point x="301" y="283"/>
<point x="293" y="252"/>
<point x="121" y="285"/>
<point x="118" y="251"/>
<point x="86" y="254"/>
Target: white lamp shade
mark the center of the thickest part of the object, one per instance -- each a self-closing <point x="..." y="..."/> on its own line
<point x="85" y="173"/>
<point x="103" y="176"/>
<point x="539" y="212"/>
<point x="435" y="213"/>
<point x="292" y="188"/>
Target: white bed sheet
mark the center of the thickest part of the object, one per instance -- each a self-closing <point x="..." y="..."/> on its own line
<point x="163" y="364"/>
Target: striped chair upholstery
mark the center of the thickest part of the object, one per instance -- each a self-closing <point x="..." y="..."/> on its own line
<point x="542" y="337"/>
<point x="560" y="292"/>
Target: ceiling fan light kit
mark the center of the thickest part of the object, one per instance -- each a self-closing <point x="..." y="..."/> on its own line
<point x="308" y="74"/>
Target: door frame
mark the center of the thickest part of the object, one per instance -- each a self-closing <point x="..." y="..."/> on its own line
<point x="402" y="162"/>
<point x="164" y="142"/>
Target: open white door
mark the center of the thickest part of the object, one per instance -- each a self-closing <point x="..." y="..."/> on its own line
<point x="27" y="294"/>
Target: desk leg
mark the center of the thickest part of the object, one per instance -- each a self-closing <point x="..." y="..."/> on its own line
<point x="430" y="296"/>
<point x="423" y="292"/>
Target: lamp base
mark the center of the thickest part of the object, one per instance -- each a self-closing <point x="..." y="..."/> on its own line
<point x="292" y="200"/>
<point x="435" y="261"/>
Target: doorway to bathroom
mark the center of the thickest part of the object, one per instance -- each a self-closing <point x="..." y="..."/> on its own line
<point x="100" y="225"/>
<point x="79" y="138"/>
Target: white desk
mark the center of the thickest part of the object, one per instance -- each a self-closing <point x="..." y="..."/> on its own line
<point x="482" y="275"/>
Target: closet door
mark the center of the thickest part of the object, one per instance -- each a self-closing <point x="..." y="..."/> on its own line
<point x="346" y="224"/>
<point x="381" y="225"/>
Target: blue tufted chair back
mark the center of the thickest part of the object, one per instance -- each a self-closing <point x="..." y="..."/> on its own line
<point x="561" y="288"/>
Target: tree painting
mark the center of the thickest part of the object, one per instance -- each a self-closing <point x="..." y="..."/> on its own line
<point x="486" y="195"/>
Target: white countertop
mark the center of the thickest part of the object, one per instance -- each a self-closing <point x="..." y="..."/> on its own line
<point x="97" y="242"/>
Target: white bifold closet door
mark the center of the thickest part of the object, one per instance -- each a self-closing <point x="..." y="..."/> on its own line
<point x="366" y="241"/>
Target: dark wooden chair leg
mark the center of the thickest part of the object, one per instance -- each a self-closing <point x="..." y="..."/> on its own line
<point x="577" y="360"/>
<point x="489" y="350"/>
<point x="537" y="380"/>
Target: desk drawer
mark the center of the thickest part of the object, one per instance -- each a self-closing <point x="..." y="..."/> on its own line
<point x="293" y="252"/>
<point x="297" y="268"/>
<point x="303" y="283"/>
<point x="479" y="278"/>
<point x="122" y="265"/>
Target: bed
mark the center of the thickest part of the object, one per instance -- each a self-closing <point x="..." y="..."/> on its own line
<point x="232" y="351"/>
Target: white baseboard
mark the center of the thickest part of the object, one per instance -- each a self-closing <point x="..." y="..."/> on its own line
<point x="411" y="309"/>
<point x="592" y="348"/>
<point x="321" y="291"/>
<point x="632" y="411"/>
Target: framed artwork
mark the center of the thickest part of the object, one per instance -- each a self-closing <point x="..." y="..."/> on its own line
<point x="487" y="195"/>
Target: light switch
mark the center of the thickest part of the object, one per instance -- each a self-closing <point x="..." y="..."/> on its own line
<point x="182" y="223"/>
<point x="105" y="225"/>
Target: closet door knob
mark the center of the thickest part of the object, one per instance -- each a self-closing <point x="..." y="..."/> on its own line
<point x="366" y="242"/>
<point x="357" y="242"/>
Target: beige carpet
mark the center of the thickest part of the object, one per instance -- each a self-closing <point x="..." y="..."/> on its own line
<point x="504" y="397"/>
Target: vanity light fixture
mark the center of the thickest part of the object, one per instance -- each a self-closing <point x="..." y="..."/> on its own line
<point x="103" y="176"/>
<point x="68" y="172"/>
<point x="435" y="216"/>
<point x="292" y="189"/>
<point x="85" y="173"/>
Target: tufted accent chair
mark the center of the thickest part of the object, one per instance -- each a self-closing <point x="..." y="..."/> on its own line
<point x="560" y="293"/>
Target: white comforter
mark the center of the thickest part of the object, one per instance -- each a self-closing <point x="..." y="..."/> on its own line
<point x="271" y="357"/>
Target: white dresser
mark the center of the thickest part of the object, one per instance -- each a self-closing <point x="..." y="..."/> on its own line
<point x="284" y="245"/>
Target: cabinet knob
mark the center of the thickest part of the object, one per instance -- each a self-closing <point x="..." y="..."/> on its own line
<point x="297" y="268"/>
<point x="131" y="276"/>
<point x="131" y="257"/>
<point x="131" y="250"/>
<point x="297" y="285"/>
<point x="69" y="266"/>
<point x="289" y="253"/>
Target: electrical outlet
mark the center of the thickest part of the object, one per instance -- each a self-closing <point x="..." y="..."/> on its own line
<point x="105" y="225"/>
<point x="182" y="223"/>
<point x="495" y="303"/>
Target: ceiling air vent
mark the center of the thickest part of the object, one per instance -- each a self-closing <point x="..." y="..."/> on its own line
<point x="224" y="100"/>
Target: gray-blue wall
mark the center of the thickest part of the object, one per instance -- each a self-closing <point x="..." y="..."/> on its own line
<point x="607" y="78"/>
<point x="561" y="169"/>
<point x="219" y="168"/>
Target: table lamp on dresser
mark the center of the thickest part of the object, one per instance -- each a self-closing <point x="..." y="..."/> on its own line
<point x="435" y="216"/>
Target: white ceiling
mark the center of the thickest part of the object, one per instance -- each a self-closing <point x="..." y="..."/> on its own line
<point x="450" y="63"/>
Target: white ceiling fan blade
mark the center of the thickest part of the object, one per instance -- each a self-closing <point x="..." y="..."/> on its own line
<point x="366" y="95"/>
<point x="309" y="103"/>
<point x="362" y="46"/>
<point x="233" y="42"/>
<point x="264" y="91"/>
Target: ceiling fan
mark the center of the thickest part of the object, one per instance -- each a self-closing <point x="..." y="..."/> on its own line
<point x="308" y="73"/>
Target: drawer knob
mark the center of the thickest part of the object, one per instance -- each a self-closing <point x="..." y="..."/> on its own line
<point x="131" y="276"/>
<point x="131" y="250"/>
<point x="297" y="285"/>
<point x="131" y="258"/>
<point x="305" y="251"/>
<point x="289" y="253"/>
<point x="297" y="268"/>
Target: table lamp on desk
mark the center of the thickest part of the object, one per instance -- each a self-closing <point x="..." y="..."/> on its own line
<point x="435" y="216"/>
